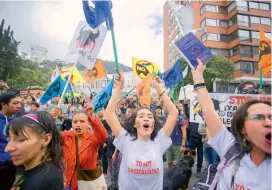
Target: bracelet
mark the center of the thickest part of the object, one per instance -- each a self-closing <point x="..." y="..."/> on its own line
<point x="162" y="94"/>
<point x="198" y="86"/>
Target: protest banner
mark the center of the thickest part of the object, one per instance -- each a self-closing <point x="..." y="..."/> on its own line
<point x="225" y="105"/>
<point x="86" y="44"/>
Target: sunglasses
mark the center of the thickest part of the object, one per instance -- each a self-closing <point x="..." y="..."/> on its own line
<point x="258" y="117"/>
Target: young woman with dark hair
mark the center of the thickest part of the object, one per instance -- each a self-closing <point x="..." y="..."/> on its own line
<point x="81" y="147"/>
<point x="142" y="144"/>
<point x="36" y="144"/>
<point x="251" y="129"/>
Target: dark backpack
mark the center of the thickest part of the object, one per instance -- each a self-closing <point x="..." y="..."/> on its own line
<point x="209" y="176"/>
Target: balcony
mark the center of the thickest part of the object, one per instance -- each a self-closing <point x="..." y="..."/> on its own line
<point x="245" y="73"/>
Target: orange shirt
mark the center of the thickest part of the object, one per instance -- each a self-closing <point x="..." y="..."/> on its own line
<point x="88" y="151"/>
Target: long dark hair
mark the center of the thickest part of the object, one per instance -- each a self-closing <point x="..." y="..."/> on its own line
<point x="47" y="125"/>
<point x="129" y="125"/>
<point x="237" y="125"/>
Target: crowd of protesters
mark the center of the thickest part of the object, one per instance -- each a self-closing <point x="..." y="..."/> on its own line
<point x="56" y="145"/>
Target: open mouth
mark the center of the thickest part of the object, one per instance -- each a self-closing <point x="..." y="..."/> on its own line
<point x="146" y="125"/>
<point x="268" y="137"/>
<point x="78" y="130"/>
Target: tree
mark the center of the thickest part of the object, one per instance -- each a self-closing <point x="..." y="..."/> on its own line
<point x="216" y="68"/>
<point x="9" y="58"/>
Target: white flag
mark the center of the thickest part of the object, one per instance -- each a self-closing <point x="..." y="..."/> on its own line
<point x="55" y="74"/>
<point x="86" y="44"/>
<point x="185" y="72"/>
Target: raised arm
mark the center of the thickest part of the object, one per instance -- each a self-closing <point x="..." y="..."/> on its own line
<point x="111" y="116"/>
<point x="168" y="105"/>
<point x="214" y="124"/>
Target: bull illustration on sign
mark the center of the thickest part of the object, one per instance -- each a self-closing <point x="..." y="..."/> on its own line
<point x="86" y="39"/>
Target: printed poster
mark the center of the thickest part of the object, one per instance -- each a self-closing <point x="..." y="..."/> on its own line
<point x="225" y="105"/>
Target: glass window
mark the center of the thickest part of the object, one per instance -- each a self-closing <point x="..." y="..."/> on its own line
<point x="255" y="50"/>
<point x="255" y="34"/>
<point x="224" y="53"/>
<point x="204" y="37"/>
<point x="246" y="67"/>
<point x="214" y="51"/>
<point x="222" y="9"/>
<point x="231" y="6"/>
<point x="246" y="51"/>
<point x="268" y="35"/>
<point x="222" y="87"/>
<point x="264" y="6"/>
<point x="210" y="22"/>
<point x="224" y="38"/>
<point x="232" y="88"/>
<point x="203" y="23"/>
<point x="210" y="8"/>
<point x="253" y="5"/>
<point x="266" y="21"/>
<point x="243" y="20"/>
<point x="223" y="23"/>
<point x="244" y="35"/>
<point x="242" y="5"/>
<point x="233" y="20"/>
<point x="211" y="36"/>
<point x="267" y="89"/>
<point x="255" y="19"/>
<point x="202" y="10"/>
<point x="237" y="66"/>
<point x="234" y="51"/>
<point x="256" y="66"/>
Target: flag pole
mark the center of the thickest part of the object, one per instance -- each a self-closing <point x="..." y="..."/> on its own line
<point x="127" y="94"/>
<point x="115" y="51"/>
<point x="67" y="82"/>
<point x="184" y="89"/>
<point x="261" y="78"/>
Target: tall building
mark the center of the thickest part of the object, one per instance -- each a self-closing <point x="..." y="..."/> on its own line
<point x="232" y="31"/>
<point x="38" y="54"/>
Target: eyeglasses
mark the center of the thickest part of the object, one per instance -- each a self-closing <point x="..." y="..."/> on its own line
<point x="258" y="117"/>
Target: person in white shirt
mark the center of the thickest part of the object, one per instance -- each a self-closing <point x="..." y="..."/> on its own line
<point x="251" y="129"/>
<point x="142" y="143"/>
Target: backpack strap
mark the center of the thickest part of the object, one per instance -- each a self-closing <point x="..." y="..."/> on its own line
<point x="232" y="153"/>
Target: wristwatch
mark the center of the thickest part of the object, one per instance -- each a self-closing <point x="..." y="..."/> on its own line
<point x="183" y="146"/>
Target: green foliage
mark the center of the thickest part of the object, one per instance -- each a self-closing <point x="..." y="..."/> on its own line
<point x="16" y="72"/>
<point x="216" y="68"/>
<point x="9" y="58"/>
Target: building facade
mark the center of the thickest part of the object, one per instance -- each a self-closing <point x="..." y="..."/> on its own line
<point x="38" y="54"/>
<point x="232" y="31"/>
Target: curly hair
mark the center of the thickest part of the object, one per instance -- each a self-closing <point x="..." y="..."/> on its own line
<point x="130" y="122"/>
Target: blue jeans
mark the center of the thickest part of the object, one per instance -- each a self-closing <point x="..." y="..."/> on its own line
<point x="210" y="155"/>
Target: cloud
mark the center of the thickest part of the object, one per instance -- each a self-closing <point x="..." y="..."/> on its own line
<point x="155" y="22"/>
<point x="138" y="26"/>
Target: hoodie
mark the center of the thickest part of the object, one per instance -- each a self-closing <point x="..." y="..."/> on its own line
<point x="4" y="156"/>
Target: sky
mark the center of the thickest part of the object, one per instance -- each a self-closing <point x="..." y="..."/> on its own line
<point x="52" y="23"/>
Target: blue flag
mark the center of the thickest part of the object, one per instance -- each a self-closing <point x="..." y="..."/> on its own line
<point x="103" y="96"/>
<point x="101" y="12"/>
<point x="55" y="89"/>
<point x="173" y="76"/>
